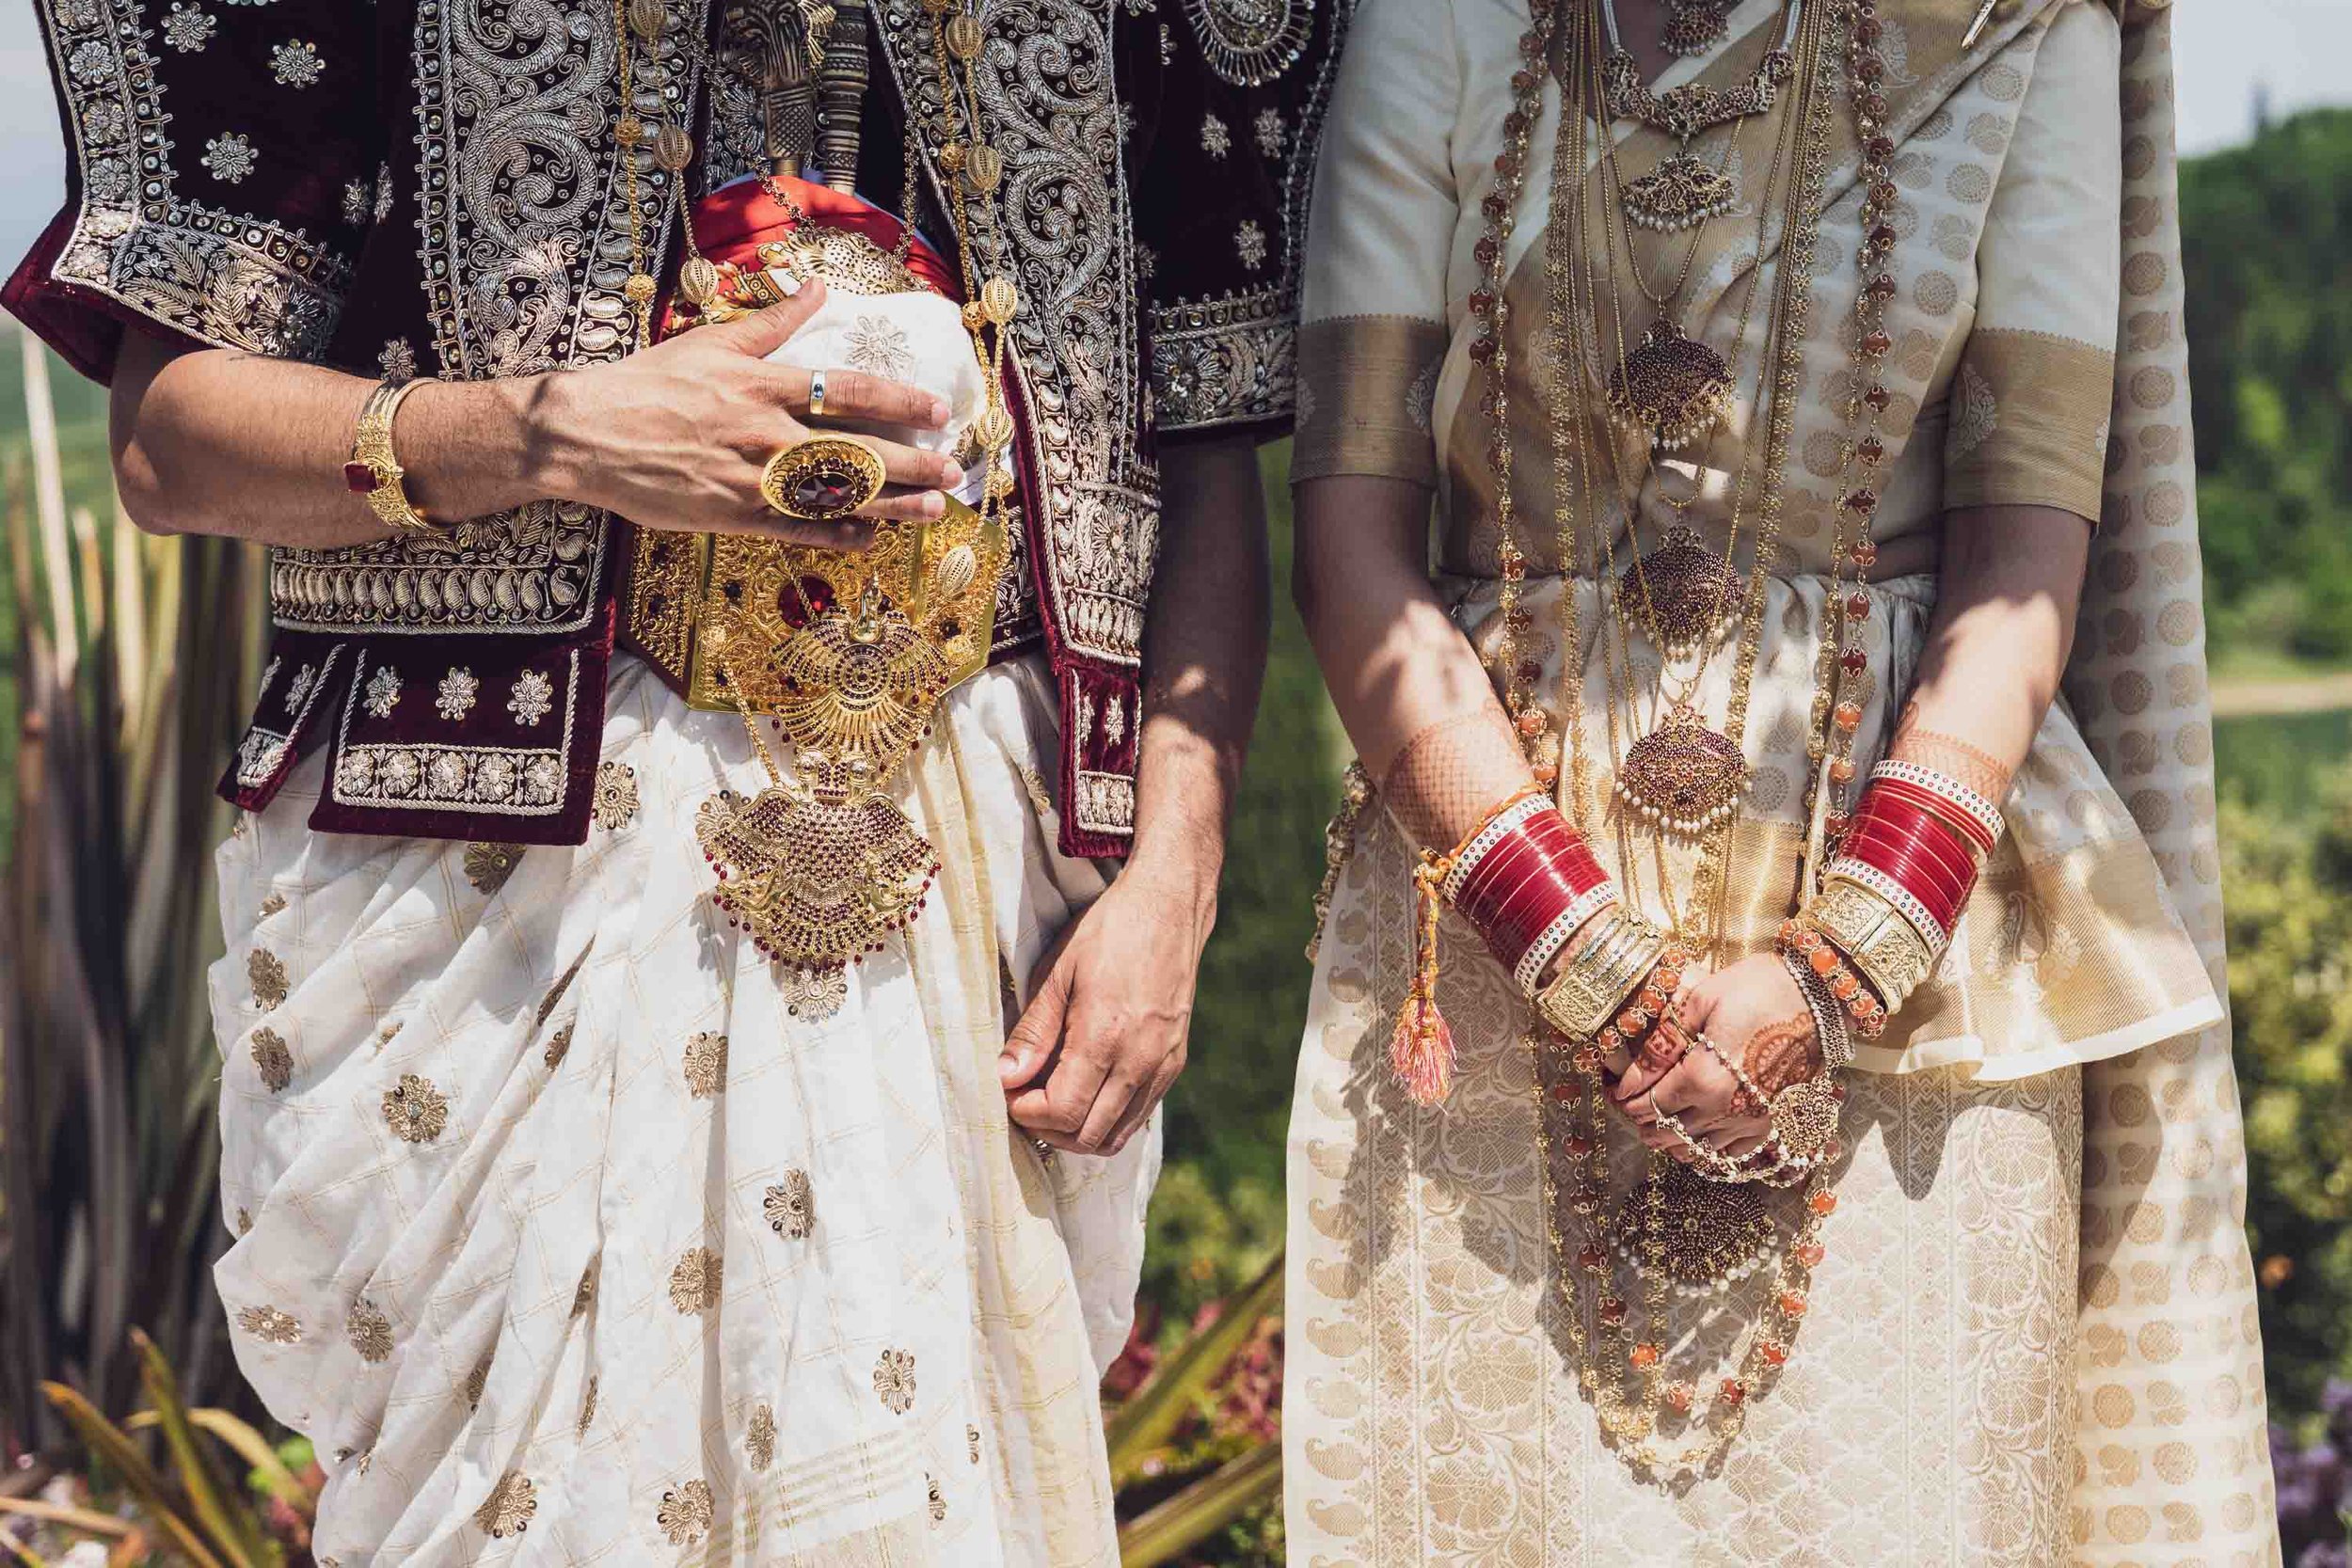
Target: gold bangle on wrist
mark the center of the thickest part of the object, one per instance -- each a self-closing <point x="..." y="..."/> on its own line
<point x="374" y="473"/>
<point x="1591" y="986"/>
<point x="1881" y="943"/>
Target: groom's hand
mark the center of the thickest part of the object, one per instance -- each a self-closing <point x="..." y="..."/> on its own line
<point x="1103" y="1035"/>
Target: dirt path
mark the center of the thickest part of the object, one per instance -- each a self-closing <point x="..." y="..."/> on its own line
<point x="2262" y="698"/>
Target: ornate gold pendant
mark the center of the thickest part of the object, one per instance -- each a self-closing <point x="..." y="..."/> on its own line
<point x="1689" y="593"/>
<point x="817" y="876"/>
<point x="1673" y="387"/>
<point x="1694" y="27"/>
<point x="1682" y="776"/>
<point x="1707" y="1237"/>
<point x="1682" y="192"/>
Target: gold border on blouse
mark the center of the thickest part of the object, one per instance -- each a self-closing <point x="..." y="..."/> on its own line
<point x="2028" y="422"/>
<point x="1366" y="385"/>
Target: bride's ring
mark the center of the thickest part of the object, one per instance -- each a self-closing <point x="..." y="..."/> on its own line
<point x="818" y="481"/>
<point x="816" y="394"/>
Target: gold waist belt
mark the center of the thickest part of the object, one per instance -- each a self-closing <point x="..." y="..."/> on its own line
<point x="849" y="654"/>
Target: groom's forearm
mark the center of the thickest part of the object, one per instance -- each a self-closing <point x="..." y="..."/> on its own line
<point x="1203" y="660"/>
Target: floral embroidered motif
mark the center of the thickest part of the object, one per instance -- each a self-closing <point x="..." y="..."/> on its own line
<point x="295" y="64"/>
<point x="814" y="994"/>
<point x="972" y="1441"/>
<point x="269" y="674"/>
<point x="274" y="904"/>
<point x="245" y="1222"/>
<point x="359" y="202"/>
<point x="706" y="1065"/>
<point x="266" y="972"/>
<point x="790" y="1205"/>
<point x="299" y="688"/>
<point x="879" y="346"/>
<point x="489" y="865"/>
<point x="532" y="696"/>
<point x="383" y="192"/>
<point x="383" y="691"/>
<point x="397" y="361"/>
<point x="615" y="800"/>
<point x="938" y="1499"/>
<point x="587" y="1409"/>
<point x="383" y="1036"/>
<point x="272" y="1059"/>
<point x="1270" y="129"/>
<point x="478" y="1380"/>
<point x="759" y="1438"/>
<point x="584" y="1293"/>
<point x="370" y="1331"/>
<point x="1216" y="140"/>
<point x="1115" y="722"/>
<point x="1249" y="244"/>
<point x="694" y="1283"/>
<point x="559" y="1047"/>
<point x="685" y="1514"/>
<point x="269" y="1326"/>
<point x="229" y="157"/>
<point x="416" y="1110"/>
<point x="458" y="689"/>
<point x="1976" y="412"/>
<point x="186" y="29"/>
<point x="508" y="1508"/>
<point x="894" y="1381"/>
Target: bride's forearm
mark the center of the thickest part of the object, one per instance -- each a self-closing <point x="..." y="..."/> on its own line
<point x="1409" y="688"/>
<point x="2012" y="580"/>
<point x="213" y="441"/>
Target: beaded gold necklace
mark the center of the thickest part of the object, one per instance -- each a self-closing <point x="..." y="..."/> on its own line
<point x="1677" y="1232"/>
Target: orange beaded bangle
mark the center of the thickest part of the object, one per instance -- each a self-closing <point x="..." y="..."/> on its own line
<point x="1801" y="938"/>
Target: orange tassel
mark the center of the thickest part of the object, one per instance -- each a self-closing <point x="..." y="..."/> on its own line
<point x="1420" y="1052"/>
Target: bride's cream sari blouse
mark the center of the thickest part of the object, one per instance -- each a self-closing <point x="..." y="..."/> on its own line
<point x="2010" y="166"/>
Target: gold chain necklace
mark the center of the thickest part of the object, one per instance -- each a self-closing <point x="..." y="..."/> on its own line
<point x="1675" y="1231"/>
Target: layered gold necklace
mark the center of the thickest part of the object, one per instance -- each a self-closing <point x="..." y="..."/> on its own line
<point x="1690" y="1231"/>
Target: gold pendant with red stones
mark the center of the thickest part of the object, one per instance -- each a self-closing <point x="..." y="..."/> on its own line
<point x="1683" y="776"/>
<point x="1673" y="387"/>
<point x="1680" y="193"/>
<point x="1688" y="591"/>
<point x="1710" y="1235"/>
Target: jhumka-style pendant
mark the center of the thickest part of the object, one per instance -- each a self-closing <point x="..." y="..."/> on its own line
<point x="1673" y="387"/>
<point x="1682" y="776"/>
<point x="1708" y="1235"/>
<point x="1688" y="591"/>
<point x="1680" y="193"/>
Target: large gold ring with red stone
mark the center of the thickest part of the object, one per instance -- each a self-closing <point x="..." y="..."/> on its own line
<point x="821" y="480"/>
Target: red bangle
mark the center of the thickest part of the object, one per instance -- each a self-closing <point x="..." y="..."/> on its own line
<point x="1919" y="859"/>
<point x="1521" y="876"/>
<point x="1920" y="835"/>
<point x="1935" y="805"/>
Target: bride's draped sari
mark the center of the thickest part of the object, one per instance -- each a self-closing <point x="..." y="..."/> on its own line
<point x="2033" y="1340"/>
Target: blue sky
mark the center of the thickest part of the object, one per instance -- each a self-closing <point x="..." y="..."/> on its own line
<point x="2229" y="48"/>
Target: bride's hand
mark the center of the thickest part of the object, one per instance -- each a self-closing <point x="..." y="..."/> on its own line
<point x="1754" y="1014"/>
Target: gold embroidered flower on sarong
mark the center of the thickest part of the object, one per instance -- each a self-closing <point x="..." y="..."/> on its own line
<point x="415" y="1110"/>
<point x="685" y="1514"/>
<point x="894" y="1381"/>
<point x="508" y="1508"/>
<point x="695" y="1282"/>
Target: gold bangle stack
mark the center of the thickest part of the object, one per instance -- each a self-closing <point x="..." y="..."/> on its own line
<point x="375" y="472"/>
<point x="1595" y="982"/>
<point x="1892" y="955"/>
